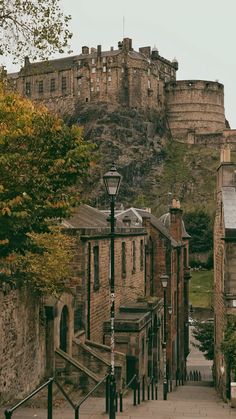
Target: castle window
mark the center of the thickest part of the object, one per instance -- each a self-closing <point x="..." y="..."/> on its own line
<point x="109" y="70"/>
<point x="92" y="89"/>
<point x="98" y="89"/>
<point x="109" y="78"/>
<point x="133" y="257"/>
<point x="104" y="60"/>
<point x="79" y="81"/>
<point x="122" y="70"/>
<point x="96" y="283"/>
<point x="63" y="84"/>
<point x="79" y="62"/>
<point x="93" y="60"/>
<point x="149" y="71"/>
<point x="98" y="80"/>
<point x="52" y="85"/>
<point x="78" y="93"/>
<point x="123" y="261"/>
<point x="40" y="87"/>
<point x="104" y="69"/>
<point x="93" y="70"/>
<point x="135" y="71"/>
<point x="149" y="84"/>
<point x="28" y="88"/>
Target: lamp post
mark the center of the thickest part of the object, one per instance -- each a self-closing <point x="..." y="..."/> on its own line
<point x="164" y="280"/>
<point x="112" y="180"/>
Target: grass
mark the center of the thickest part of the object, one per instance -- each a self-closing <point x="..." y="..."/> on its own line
<point x="201" y="288"/>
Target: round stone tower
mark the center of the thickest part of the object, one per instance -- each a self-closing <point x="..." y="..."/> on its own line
<point x="195" y="106"/>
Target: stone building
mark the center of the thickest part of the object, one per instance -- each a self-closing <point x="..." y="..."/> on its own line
<point x="140" y="79"/>
<point x="120" y="76"/>
<point x="166" y="252"/>
<point x="225" y="265"/>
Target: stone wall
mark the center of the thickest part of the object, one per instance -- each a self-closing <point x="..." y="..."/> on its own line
<point x="22" y="343"/>
<point x="195" y="105"/>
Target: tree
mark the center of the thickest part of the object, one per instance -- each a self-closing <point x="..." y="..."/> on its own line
<point x="199" y="225"/>
<point x="228" y="346"/>
<point x="41" y="162"/>
<point x="204" y="334"/>
<point x="33" y="28"/>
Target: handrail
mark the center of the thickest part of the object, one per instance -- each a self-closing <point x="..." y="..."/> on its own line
<point x="9" y="412"/>
<point x="78" y="405"/>
<point x="125" y="390"/>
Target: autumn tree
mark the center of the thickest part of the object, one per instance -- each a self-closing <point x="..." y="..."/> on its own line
<point x="41" y="161"/>
<point x="36" y="28"/>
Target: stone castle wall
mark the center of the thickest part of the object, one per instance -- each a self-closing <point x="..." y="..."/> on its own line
<point x="195" y="105"/>
<point x="22" y="343"/>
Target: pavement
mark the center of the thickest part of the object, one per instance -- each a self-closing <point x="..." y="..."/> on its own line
<point x="194" y="400"/>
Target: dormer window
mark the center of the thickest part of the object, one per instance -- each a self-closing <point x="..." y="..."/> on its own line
<point x="40" y="87"/>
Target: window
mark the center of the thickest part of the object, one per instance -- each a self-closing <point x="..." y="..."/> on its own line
<point x="149" y="84"/>
<point x="78" y="93"/>
<point x="93" y="70"/>
<point x="52" y="85"/>
<point x="28" y="88"/>
<point x="93" y="60"/>
<point x="79" y="81"/>
<point x="104" y="69"/>
<point x="98" y="80"/>
<point x="104" y="60"/>
<point x="122" y="70"/>
<point x="109" y="70"/>
<point x="98" y="89"/>
<point x="123" y="260"/>
<point x="92" y="89"/>
<point x="133" y="257"/>
<point x="149" y="71"/>
<point x="63" y="84"/>
<point x="96" y="267"/>
<point x="109" y="78"/>
<point x="40" y="86"/>
<point x="141" y="255"/>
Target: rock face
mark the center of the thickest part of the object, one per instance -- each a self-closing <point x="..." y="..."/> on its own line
<point x="153" y="165"/>
<point x="131" y="139"/>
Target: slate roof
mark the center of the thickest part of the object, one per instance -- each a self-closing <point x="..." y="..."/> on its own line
<point x="86" y="217"/>
<point x="229" y="207"/>
<point x="158" y="224"/>
<point x="49" y="66"/>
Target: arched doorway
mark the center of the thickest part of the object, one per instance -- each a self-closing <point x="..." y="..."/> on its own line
<point x="64" y="329"/>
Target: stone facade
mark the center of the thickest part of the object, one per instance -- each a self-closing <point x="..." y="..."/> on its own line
<point x="224" y="265"/>
<point x="23" y="343"/>
<point x="120" y="77"/>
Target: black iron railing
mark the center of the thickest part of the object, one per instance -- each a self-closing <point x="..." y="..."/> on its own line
<point x="49" y="385"/>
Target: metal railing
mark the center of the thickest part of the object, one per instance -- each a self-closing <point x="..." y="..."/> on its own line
<point x="49" y="384"/>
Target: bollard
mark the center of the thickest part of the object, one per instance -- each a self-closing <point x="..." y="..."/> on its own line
<point x="50" y="407"/>
<point x="121" y="402"/>
<point x="76" y="413"/>
<point x="156" y="391"/>
<point x="152" y="389"/>
<point x="200" y="377"/>
<point x="139" y="392"/>
<point x="143" y="389"/>
<point x="8" y="414"/>
<point x="135" y="394"/>
<point x="107" y="394"/>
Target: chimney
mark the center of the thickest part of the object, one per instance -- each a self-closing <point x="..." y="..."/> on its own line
<point x="85" y="50"/>
<point x="27" y="61"/>
<point x="112" y="49"/>
<point x="99" y="50"/>
<point x="226" y="170"/>
<point x="176" y="220"/>
<point x="146" y="51"/>
<point x="127" y="45"/>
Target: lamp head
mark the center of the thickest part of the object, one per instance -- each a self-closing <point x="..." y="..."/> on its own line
<point x="112" y="180"/>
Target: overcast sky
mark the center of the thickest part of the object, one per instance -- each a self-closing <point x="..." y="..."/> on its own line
<point x="201" y="34"/>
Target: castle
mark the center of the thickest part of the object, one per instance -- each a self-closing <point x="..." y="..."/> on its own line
<point x="136" y="79"/>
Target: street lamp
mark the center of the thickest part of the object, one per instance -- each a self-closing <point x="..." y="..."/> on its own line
<point x="164" y="280"/>
<point x="112" y="180"/>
